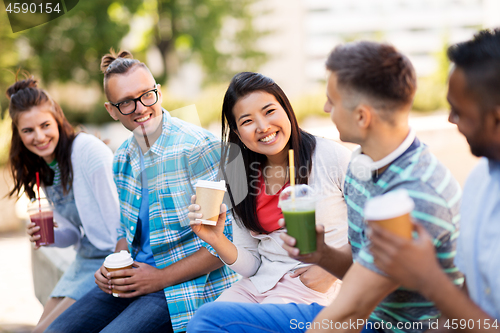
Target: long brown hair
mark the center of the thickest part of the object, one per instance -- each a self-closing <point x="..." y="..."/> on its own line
<point x="24" y="164"/>
<point x="302" y="142"/>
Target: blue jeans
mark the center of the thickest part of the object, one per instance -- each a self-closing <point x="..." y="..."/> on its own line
<point x="101" y="312"/>
<point x="251" y="317"/>
<point x="217" y="317"/>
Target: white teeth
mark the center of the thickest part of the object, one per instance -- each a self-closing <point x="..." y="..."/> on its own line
<point x="268" y="138"/>
<point x="140" y="120"/>
<point x="42" y="145"/>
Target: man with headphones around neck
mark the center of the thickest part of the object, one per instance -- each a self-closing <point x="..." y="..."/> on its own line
<point x="369" y="96"/>
<point x="370" y="91"/>
<point x="474" y="97"/>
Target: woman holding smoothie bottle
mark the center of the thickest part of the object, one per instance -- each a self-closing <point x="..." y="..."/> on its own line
<point x="76" y="175"/>
<point x="258" y="121"/>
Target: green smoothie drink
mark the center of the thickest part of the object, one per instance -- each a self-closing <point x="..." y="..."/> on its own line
<point x="298" y="205"/>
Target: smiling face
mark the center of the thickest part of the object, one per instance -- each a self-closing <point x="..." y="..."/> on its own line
<point x="38" y="131"/>
<point x="466" y="113"/>
<point x="132" y="84"/>
<point x="262" y="123"/>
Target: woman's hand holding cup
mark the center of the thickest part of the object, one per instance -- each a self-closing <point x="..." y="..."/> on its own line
<point x="311" y="258"/>
<point x="31" y="229"/>
<point x="208" y="233"/>
<point x="193" y="211"/>
<point x="102" y="281"/>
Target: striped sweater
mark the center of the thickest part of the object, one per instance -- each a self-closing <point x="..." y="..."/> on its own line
<point x="437" y="197"/>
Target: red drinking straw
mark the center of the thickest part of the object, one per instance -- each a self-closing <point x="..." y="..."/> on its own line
<point x="38" y="189"/>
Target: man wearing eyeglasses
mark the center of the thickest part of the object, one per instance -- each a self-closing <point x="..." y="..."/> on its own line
<point x="155" y="170"/>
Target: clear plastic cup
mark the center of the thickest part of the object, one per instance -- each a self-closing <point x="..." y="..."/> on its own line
<point x="43" y="217"/>
<point x="298" y="204"/>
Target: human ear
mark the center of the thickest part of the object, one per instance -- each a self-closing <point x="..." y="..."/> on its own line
<point x="158" y="86"/>
<point x="496" y="118"/>
<point x="363" y="115"/>
<point x="110" y="110"/>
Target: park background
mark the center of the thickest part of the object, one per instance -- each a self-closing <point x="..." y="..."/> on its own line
<point x="193" y="48"/>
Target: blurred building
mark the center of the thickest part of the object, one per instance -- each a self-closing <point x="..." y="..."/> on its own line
<point x="306" y="30"/>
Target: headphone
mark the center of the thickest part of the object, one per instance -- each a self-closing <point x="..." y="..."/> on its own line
<point x="362" y="166"/>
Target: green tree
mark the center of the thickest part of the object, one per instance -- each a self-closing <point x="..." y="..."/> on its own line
<point x="217" y="34"/>
<point x="8" y="58"/>
<point x="69" y="48"/>
<point x="431" y="91"/>
<point x="187" y="30"/>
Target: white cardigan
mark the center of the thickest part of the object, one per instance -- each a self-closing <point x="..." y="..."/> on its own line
<point x="96" y="197"/>
<point x="261" y="257"/>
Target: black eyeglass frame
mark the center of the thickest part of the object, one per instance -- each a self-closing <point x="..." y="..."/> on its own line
<point x="135" y="100"/>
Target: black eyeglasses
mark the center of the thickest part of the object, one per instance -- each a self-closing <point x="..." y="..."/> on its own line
<point x="127" y="107"/>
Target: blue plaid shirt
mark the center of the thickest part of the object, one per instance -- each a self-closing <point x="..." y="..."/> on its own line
<point x="181" y="155"/>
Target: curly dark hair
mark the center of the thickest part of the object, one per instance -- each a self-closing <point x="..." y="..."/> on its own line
<point x="479" y="58"/>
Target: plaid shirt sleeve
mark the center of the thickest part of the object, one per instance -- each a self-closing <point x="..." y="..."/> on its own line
<point x="121" y="233"/>
<point x="204" y="164"/>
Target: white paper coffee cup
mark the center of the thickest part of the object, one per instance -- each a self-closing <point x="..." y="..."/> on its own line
<point x="118" y="261"/>
<point x="392" y="212"/>
<point x="209" y="196"/>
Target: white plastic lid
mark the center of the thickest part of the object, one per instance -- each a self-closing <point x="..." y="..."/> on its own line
<point x="220" y="185"/>
<point x="388" y="206"/>
<point x="118" y="260"/>
<point x="297" y="198"/>
<point x="35" y="205"/>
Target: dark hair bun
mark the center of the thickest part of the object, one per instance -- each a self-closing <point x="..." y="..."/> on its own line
<point x="30" y="82"/>
<point x="107" y="59"/>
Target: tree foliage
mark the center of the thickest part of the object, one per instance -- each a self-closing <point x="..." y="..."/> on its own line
<point x="431" y="91"/>
<point x="218" y="33"/>
<point x="8" y="58"/>
<point x="69" y="48"/>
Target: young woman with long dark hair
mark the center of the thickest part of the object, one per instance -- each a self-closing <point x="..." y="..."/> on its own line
<point x="76" y="175"/>
<point x="259" y="123"/>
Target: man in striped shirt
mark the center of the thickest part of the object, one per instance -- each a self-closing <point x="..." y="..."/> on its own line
<point x="474" y="97"/>
<point x="370" y="92"/>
